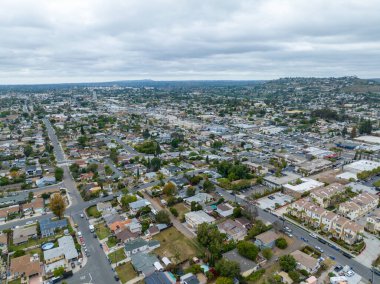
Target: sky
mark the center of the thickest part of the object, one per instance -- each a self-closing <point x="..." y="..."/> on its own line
<point x="56" y="41"/>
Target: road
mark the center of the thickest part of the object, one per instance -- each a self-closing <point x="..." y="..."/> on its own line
<point x="97" y="268"/>
<point x="298" y="232"/>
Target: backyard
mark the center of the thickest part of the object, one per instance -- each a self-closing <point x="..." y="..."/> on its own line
<point x="117" y="255"/>
<point x="126" y="272"/>
<point x="175" y="246"/>
<point x="181" y="209"/>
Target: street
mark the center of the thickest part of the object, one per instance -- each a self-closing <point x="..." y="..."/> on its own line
<point x="97" y="268"/>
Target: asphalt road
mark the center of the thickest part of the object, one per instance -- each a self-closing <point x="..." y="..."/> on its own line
<point x="298" y="232"/>
<point x="97" y="269"/>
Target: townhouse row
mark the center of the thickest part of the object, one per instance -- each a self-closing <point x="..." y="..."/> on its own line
<point x="338" y="226"/>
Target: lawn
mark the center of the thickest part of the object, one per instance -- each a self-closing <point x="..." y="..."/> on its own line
<point x="117" y="255"/>
<point x="111" y="242"/>
<point x="16" y="281"/>
<point x="175" y="245"/>
<point x="33" y="242"/>
<point x="93" y="212"/>
<point x="181" y="208"/>
<point x="102" y="231"/>
<point x="126" y="272"/>
<point x="269" y="272"/>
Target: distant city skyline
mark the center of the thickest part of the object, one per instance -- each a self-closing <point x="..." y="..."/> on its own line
<point x="99" y="41"/>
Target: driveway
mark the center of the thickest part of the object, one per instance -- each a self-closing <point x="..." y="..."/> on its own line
<point x="371" y="251"/>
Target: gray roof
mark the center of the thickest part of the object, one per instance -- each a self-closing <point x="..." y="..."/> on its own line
<point x="245" y="263"/>
<point x="144" y="263"/>
<point x="48" y="225"/>
<point x="158" y="278"/>
<point x="66" y="247"/>
<point x="139" y="203"/>
<point x="134" y="244"/>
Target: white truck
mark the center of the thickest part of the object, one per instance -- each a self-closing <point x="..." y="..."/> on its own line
<point x="92" y="228"/>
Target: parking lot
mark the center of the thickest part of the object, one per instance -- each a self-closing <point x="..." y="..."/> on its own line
<point x="270" y="201"/>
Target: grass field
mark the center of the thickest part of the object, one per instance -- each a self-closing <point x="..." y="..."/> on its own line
<point x="117" y="255"/>
<point x="16" y="281"/>
<point x="111" y="242"/>
<point x="102" y="231"/>
<point x="126" y="272"/>
<point x="181" y="208"/>
<point x="93" y="212"/>
<point x="175" y="245"/>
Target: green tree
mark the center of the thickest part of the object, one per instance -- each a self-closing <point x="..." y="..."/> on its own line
<point x="19" y="253"/>
<point x="174" y="211"/>
<point x="237" y="212"/>
<point x="58" y="174"/>
<point x="190" y="191"/>
<point x="287" y="263"/>
<point x="208" y="186"/>
<point x="228" y="268"/>
<point x="281" y="243"/>
<point x="126" y="199"/>
<point x="57" y="205"/>
<point x="155" y="164"/>
<point x="113" y="155"/>
<point x="267" y="253"/>
<point x="169" y="188"/>
<point x="248" y="250"/>
<point x="163" y="217"/>
<point x="82" y="140"/>
<point x="28" y="150"/>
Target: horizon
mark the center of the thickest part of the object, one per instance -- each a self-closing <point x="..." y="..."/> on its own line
<point x="45" y="42"/>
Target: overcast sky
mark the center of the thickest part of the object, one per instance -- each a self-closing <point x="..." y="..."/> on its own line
<point x="43" y="41"/>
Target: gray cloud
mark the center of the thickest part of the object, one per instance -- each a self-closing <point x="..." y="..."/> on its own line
<point x="91" y="40"/>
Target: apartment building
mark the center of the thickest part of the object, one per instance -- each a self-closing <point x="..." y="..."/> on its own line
<point x="324" y="195"/>
<point x="359" y="205"/>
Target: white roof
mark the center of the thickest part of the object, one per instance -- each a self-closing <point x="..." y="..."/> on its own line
<point x="199" y="217"/>
<point x="306" y="185"/>
<point x="362" y="165"/>
<point x="347" y="176"/>
<point x="369" y="139"/>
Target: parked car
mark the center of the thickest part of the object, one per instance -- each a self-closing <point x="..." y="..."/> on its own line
<point x="338" y="268"/>
<point x="319" y="249"/>
<point x="313" y="235"/>
<point x="72" y="265"/>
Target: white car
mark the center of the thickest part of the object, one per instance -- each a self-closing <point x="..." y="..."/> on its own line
<point x="79" y="233"/>
<point x="81" y="215"/>
<point x="319" y="248"/>
<point x="313" y="235"/>
<point x="350" y="273"/>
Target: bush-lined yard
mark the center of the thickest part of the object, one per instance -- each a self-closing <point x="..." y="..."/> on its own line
<point x="117" y="255"/>
<point x="102" y="231"/>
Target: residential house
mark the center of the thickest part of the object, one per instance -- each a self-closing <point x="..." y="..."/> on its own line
<point x="104" y="206"/>
<point x="25" y="266"/>
<point x="278" y="182"/>
<point x="160" y="277"/>
<point x="247" y="266"/>
<point x="323" y="196"/>
<point x="140" y="245"/>
<point x="373" y="221"/>
<point x="37" y="206"/>
<point x="66" y="250"/>
<point x="352" y="232"/>
<point x="266" y="239"/>
<point x="137" y="205"/>
<point x="119" y="225"/>
<point x="23" y="234"/>
<point x="359" y="205"/>
<point x="225" y="209"/>
<point x="327" y="220"/>
<point x="201" y="198"/>
<point x="305" y="261"/>
<point x="189" y="278"/>
<point x="48" y="226"/>
<point x="143" y="263"/>
<point x="125" y="235"/>
<point x="195" y="218"/>
<point x="5" y="212"/>
<point x="233" y="229"/>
